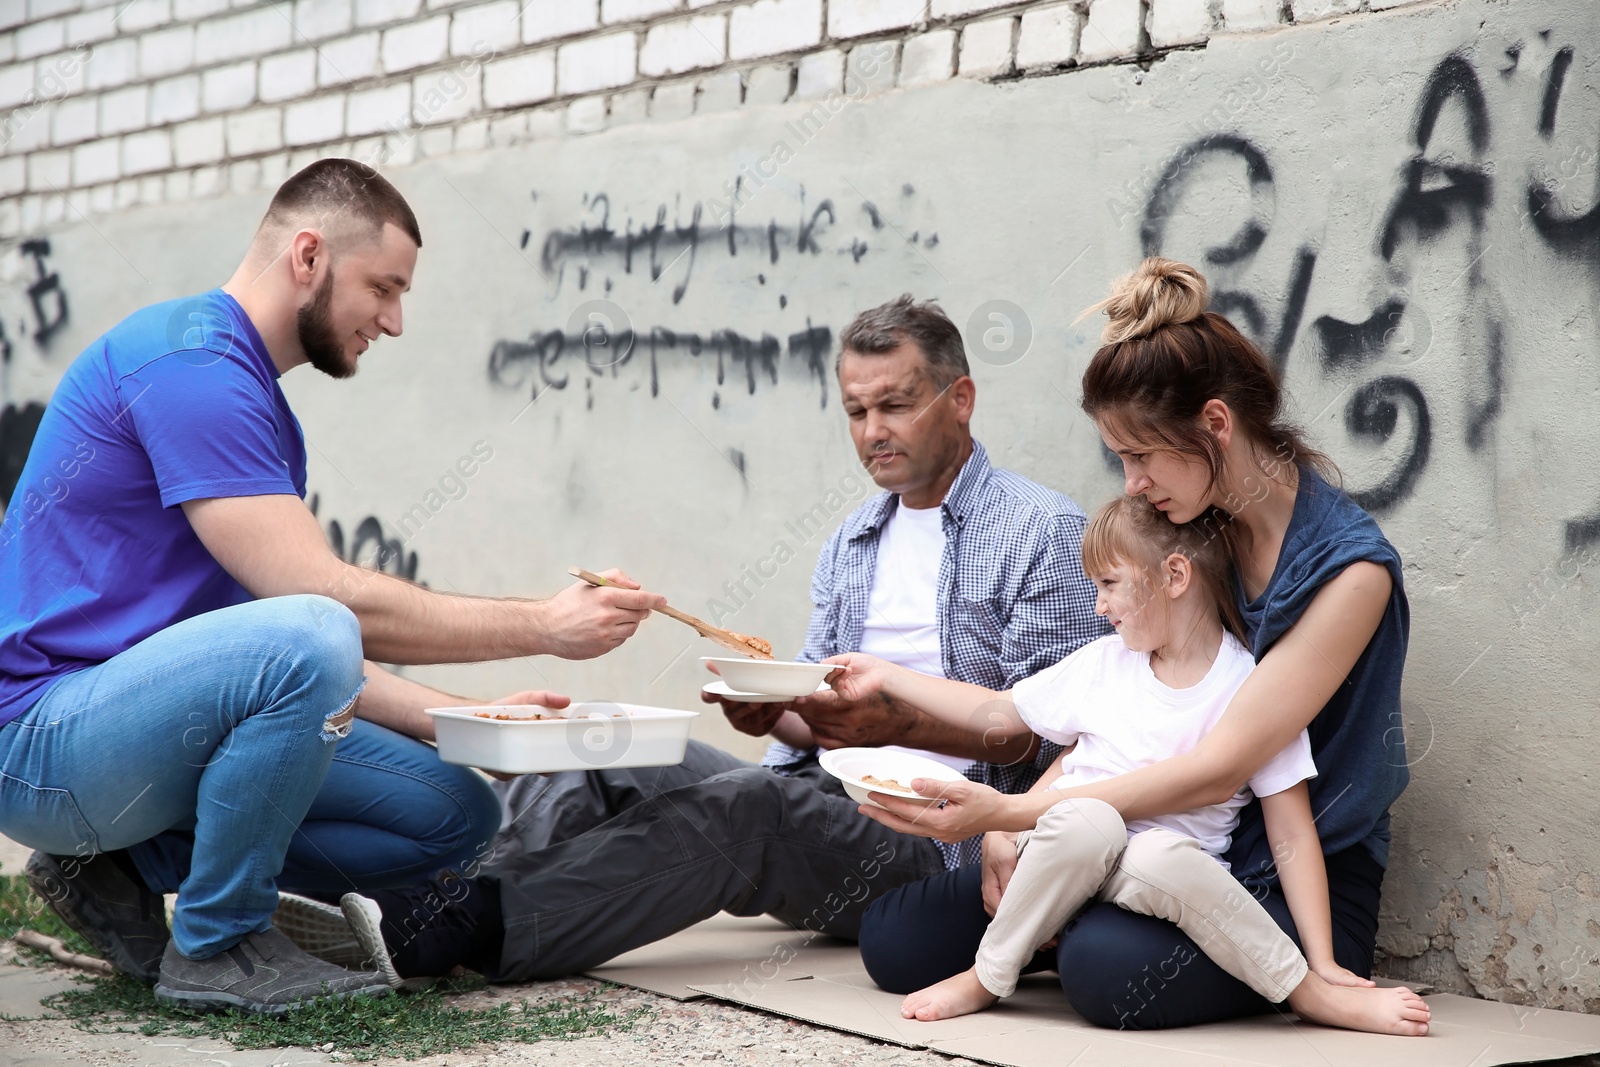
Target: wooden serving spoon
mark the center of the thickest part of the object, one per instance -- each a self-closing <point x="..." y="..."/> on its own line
<point x="754" y="647"/>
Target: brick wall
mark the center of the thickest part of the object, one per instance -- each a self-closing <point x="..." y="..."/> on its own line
<point x="107" y="105"/>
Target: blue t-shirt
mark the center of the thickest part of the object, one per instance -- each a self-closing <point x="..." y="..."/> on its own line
<point x="180" y="401"/>
<point x="1357" y="739"/>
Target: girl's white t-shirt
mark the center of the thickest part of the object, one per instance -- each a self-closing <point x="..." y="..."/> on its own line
<point x="1106" y="699"/>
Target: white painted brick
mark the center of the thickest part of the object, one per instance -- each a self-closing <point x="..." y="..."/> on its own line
<point x="63" y="74"/>
<point x="944" y="9"/>
<point x="314" y="121"/>
<point x="15" y="85"/>
<point x="315" y="20"/>
<point x="265" y="29"/>
<point x="145" y="152"/>
<point x="474" y="136"/>
<point x="1175" y="22"/>
<point x="819" y="74"/>
<point x="378" y="109"/>
<point x="112" y="63"/>
<point x="986" y="47"/>
<point x="125" y="110"/>
<point x="416" y="44"/>
<point x="207" y="182"/>
<point x="1384" y="5"/>
<point x="1311" y="10"/>
<point x="175" y="186"/>
<point x="1111" y="30"/>
<point x="244" y="176"/>
<point x="1048" y="37"/>
<point x="194" y="10"/>
<point x="683" y="45"/>
<point x="722" y="91"/>
<point x="41" y="38"/>
<point x="175" y="100"/>
<point x="543" y="20"/>
<point x="629" y="107"/>
<point x="43" y="9"/>
<point x="32" y="212"/>
<point x="55" y="210"/>
<point x="595" y="63"/>
<point x="438" y="142"/>
<point x="127" y="191"/>
<point x="475" y="31"/>
<point x="229" y="88"/>
<point x="48" y="171"/>
<point x="287" y="75"/>
<point x="871" y="65"/>
<point x="13" y="13"/>
<point x="670" y="103"/>
<point x="853" y="18"/>
<point x="197" y="142"/>
<point x="583" y="116"/>
<point x="378" y="12"/>
<point x="634" y="10"/>
<point x="252" y="132"/>
<point x="300" y="160"/>
<point x="508" y="130"/>
<point x="13" y="175"/>
<point x="141" y="15"/>
<point x="928" y="57"/>
<point x="399" y="151"/>
<point x="91" y="26"/>
<point x="150" y="189"/>
<point x="8" y="47"/>
<point x="163" y="52"/>
<point x="520" y="80"/>
<point x="772" y="27"/>
<point x="95" y="162"/>
<point x="547" y="123"/>
<point x="348" y="59"/>
<point x="102" y="200"/>
<point x="33" y="131"/>
<point x="447" y="95"/>
<point x="767" y="84"/>
<point x="74" y="121"/>
<point x="1251" y="14"/>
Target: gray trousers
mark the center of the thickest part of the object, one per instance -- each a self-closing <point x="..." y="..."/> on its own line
<point x="591" y="864"/>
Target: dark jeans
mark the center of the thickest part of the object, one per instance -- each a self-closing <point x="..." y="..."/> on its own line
<point x="593" y="864"/>
<point x="1118" y="969"/>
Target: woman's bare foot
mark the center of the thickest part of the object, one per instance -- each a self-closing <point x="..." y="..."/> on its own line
<point x="961" y="995"/>
<point x="1396" y="1010"/>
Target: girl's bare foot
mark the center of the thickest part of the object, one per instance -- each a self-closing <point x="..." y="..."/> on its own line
<point x="961" y="995"/>
<point x="1379" y="1011"/>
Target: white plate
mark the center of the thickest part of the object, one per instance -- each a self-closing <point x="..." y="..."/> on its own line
<point x="849" y="764"/>
<point x="722" y="689"/>
<point x="594" y="735"/>
<point x="779" y="678"/>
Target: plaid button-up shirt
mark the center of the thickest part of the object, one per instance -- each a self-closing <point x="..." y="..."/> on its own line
<point x="1012" y="598"/>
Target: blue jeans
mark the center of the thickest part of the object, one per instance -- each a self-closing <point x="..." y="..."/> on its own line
<point x="212" y="752"/>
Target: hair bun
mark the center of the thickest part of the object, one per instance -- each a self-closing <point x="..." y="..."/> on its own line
<point x="1160" y="292"/>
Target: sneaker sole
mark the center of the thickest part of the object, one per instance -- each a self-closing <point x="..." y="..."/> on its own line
<point x="80" y="913"/>
<point x="363" y="919"/>
<point x="321" y="930"/>
<point x="201" y="1001"/>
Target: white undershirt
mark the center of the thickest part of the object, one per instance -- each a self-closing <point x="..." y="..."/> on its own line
<point x="902" y="624"/>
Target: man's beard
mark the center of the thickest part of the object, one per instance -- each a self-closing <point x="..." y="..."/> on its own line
<point x="317" y="338"/>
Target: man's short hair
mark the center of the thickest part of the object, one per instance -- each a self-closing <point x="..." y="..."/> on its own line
<point x="332" y="191"/>
<point x="902" y="321"/>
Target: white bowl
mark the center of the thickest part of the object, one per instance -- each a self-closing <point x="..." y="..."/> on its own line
<point x="779" y="678"/>
<point x="594" y="735"/>
<point x="850" y="764"/>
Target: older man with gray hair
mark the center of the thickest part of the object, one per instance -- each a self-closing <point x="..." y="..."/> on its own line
<point x="957" y="569"/>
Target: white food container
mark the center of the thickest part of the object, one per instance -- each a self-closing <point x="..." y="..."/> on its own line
<point x="595" y="735"/>
<point x="849" y="764"/>
<point x="774" y="677"/>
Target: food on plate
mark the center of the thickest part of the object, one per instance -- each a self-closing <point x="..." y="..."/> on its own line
<point x="537" y="716"/>
<point x="886" y="783"/>
<point x="762" y="646"/>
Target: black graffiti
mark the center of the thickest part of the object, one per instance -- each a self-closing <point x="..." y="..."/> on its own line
<point x="46" y="287"/>
<point x="1373" y="414"/>
<point x="371" y="546"/>
<point x="1571" y="234"/>
<point x="537" y="364"/>
<point x="660" y="244"/>
<point x="1346" y="344"/>
<point x="18" y="427"/>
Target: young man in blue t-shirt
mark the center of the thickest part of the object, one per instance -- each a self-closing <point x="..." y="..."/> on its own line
<point x="185" y="700"/>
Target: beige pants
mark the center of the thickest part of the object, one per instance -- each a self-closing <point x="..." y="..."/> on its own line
<point x="1080" y="851"/>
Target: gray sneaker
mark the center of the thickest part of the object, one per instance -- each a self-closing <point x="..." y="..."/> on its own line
<point x="124" y="921"/>
<point x="265" y="973"/>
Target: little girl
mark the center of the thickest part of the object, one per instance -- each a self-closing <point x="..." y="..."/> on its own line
<point x="1148" y="692"/>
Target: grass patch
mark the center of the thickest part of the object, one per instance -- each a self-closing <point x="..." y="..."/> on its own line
<point x="21" y="908"/>
<point x="408" y="1025"/>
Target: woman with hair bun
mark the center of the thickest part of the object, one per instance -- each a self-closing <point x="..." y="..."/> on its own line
<point x="1193" y="410"/>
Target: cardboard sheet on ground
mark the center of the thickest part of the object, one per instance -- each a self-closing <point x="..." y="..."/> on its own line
<point x="764" y="964"/>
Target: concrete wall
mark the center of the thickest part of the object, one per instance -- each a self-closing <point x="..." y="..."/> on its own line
<point x="1400" y="206"/>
